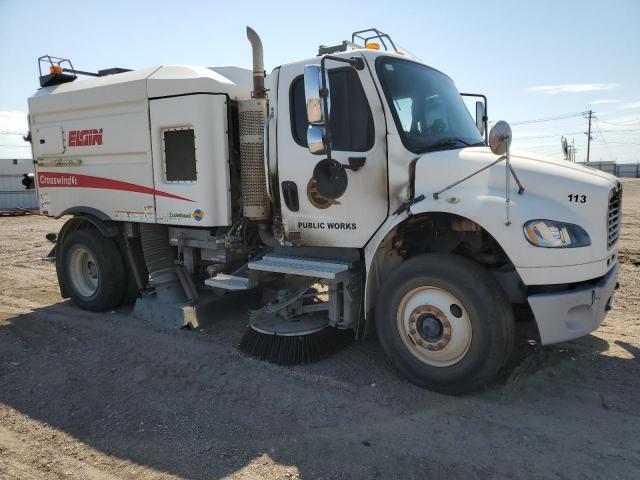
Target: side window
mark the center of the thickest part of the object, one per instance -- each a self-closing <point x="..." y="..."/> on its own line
<point x="179" y="155"/>
<point x="298" y="110"/>
<point x="351" y="118"/>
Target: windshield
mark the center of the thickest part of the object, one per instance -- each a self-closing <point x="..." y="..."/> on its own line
<point x="428" y="110"/>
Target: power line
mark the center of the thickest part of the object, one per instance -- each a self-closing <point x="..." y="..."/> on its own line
<point x="582" y="142"/>
<point x="626" y="143"/>
<point x="623" y="124"/>
<point x="546" y="136"/>
<point x="616" y="130"/>
<point x="597" y="124"/>
<point x="550" y="119"/>
<point x="22" y="146"/>
<point x="551" y="126"/>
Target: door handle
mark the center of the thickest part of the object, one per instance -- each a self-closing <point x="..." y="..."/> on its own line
<point x="355" y="163"/>
<point x="290" y="194"/>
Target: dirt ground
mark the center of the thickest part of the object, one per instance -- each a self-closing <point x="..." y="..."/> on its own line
<point x="106" y="396"/>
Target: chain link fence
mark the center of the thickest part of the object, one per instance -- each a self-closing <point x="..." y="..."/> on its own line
<point x="629" y="170"/>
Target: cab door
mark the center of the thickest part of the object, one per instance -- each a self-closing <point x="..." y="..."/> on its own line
<point x="359" y="137"/>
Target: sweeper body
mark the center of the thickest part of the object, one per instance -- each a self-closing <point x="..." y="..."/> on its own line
<point x="351" y="189"/>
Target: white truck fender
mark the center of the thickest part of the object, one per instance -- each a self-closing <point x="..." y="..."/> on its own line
<point x="375" y="252"/>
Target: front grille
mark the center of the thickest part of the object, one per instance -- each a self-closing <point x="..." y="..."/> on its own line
<point x="614" y="218"/>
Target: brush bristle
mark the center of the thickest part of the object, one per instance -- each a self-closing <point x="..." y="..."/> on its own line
<point x="296" y="349"/>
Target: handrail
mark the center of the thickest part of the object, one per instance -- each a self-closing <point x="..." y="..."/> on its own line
<point x="265" y="142"/>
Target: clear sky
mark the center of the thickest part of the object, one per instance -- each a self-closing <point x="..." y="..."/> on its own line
<point x="533" y="59"/>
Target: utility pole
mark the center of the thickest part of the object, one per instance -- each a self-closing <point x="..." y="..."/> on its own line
<point x="589" y="136"/>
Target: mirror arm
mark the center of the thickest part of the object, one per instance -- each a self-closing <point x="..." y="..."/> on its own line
<point x="324" y="93"/>
<point x="355" y="62"/>
<point x="437" y="194"/>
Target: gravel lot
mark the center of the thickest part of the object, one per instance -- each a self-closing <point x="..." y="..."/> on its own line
<point x="105" y="396"/>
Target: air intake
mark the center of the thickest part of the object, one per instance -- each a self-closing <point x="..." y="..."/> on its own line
<point x="255" y="201"/>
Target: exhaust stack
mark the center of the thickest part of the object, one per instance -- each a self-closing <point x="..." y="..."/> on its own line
<point x="252" y="114"/>
<point x="258" y="64"/>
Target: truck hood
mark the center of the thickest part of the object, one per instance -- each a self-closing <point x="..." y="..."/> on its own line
<point x="554" y="190"/>
<point x="525" y="158"/>
<point x="462" y="162"/>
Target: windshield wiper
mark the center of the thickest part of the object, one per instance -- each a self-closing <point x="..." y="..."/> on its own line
<point x="455" y="141"/>
<point x="447" y="142"/>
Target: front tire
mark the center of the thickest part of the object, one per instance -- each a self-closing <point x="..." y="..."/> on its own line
<point x="93" y="270"/>
<point x="445" y="323"/>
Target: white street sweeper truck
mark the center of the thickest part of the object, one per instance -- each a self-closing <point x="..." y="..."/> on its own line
<point x="353" y="190"/>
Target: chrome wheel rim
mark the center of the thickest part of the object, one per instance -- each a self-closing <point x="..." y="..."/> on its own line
<point x="83" y="271"/>
<point x="434" y="326"/>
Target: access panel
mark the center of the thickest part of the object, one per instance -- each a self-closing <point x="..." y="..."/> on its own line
<point x="191" y="160"/>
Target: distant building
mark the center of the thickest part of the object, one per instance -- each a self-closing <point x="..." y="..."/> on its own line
<point x="13" y="193"/>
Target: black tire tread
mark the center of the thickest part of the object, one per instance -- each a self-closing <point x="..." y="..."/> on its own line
<point x="486" y="303"/>
<point x="112" y="281"/>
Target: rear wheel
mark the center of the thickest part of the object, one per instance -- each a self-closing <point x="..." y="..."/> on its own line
<point x="93" y="270"/>
<point x="444" y="323"/>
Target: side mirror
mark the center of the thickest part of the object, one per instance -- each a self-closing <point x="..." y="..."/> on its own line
<point x="565" y="147"/>
<point x="317" y="139"/>
<point x="316" y="99"/>
<point x="500" y="138"/>
<point x="330" y="176"/>
<point x="480" y="117"/>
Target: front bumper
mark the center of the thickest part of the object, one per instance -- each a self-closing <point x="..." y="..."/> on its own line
<point x="571" y="314"/>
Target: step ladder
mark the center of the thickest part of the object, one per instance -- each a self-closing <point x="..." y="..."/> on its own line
<point x="344" y="285"/>
<point x="305" y="267"/>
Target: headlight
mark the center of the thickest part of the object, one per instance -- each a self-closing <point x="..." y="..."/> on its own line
<point x="552" y="234"/>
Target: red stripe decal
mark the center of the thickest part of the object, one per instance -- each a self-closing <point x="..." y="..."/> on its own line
<point x="73" y="180"/>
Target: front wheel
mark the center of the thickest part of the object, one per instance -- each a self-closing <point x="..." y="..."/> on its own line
<point x="444" y="323"/>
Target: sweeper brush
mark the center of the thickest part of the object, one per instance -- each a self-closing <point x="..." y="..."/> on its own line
<point x="294" y="349"/>
<point x="282" y="333"/>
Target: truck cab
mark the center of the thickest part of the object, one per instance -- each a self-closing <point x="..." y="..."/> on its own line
<point x="407" y="126"/>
